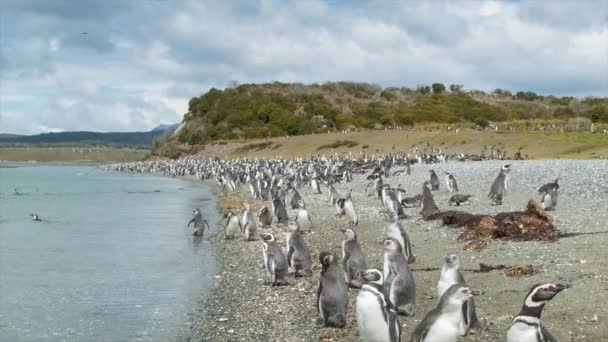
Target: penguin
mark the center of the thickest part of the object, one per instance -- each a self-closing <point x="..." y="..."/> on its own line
<point x="339" y="206"/>
<point x="233" y="226"/>
<point x="428" y="203"/>
<point x="274" y="261"/>
<point x="332" y="301"/>
<point x="303" y="218"/>
<point x="314" y="183"/>
<point x="549" y="199"/>
<point x="333" y="195"/>
<point x="37" y="218"/>
<point x="434" y="180"/>
<point x="279" y="209"/>
<point x="349" y="209"/>
<point x="399" y="282"/>
<point x="450" y="275"/>
<point x="396" y="231"/>
<point x="376" y="321"/>
<point x="265" y="217"/>
<point x="295" y="199"/>
<point x="549" y="186"/>
<point x="451" y="182"/>
<point x="527" y="326"/>
<point x="199" y="223"/>
<point x="442" y="323"/>
<point x="412" y="202"/>
<point x="298" y="254"/>
<point x="249" y="225"/>
<point x="353" y="259"/>
<point x="498" y="190"/>
<point x="458" y="199"/>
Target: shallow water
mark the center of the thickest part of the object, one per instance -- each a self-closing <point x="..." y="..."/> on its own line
<point x="113" y="259"/>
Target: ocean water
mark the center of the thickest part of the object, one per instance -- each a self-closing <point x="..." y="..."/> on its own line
<point x="112" y="259"/>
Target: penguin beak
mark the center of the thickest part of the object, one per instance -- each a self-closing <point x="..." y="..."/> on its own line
<point x="476" y="292"/>
<point x="561" y="287"/>
<point x="343" y="230"/>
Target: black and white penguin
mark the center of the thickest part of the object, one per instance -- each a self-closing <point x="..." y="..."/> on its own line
<point x="275" y="261"/>
<point x="37" y="218"/>
<point x="316" y="187"/>
<point x="248" y="223"/>
<point x="399" y="282"/>
<point x="278" y="204"/>
<point x="353" y="259"/>
<point x="349" y="209"/>
<point x="451" y="182"/>
<point x="298" y="254"/>
<point x="527" y="326"/>
<point x="442" y="323"/>
<point x="233" y="225"/>
<point x="376" y="320"/>
<point x="458" y="199"/>
<point x="332" y="300"/>
<point x="428" y="203"/>
<point x="396" y="231"/>
<point x="412" y="202"/>
<point x="548" y="187"/>
<point x="265" y="217"/>
<point x="333" y="195"/>
<point x="450" y="275"/>
<point x="303" y="218"/>
<point x="295" y="199"/>
<point x="549" y="199"/>
<point x="498" y="190"/>
<point x="199" y="223"/>
<point x="434" y="180"/>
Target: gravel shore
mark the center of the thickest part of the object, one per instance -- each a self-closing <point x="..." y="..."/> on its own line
<point x="241" y="308"/>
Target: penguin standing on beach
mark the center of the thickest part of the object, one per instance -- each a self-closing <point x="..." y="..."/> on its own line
<point x="265" y="217"/>
<point x="333" y="195"/>
<point x="298" y="254"/>
<point x="280" y="212"/>
<point x="249" y="225"/>
<point x="316" y="187"/>
<point x="451" y="182"/>
<point x="428" y="203"/>
<point x="275" y="261"/>
<point x="376" y="320"/>
<point x="199" y="223"/>
<point x="295" y="199"/>
<point x="442" y="323"/>
<point x="332" y="300"/>
<point x="349" y="209"/>
<point x="353" y="259"/>
<point x="548" y="193"/>
<point x="399" y="282"/>
<point x="233" y="226"/>
<point x="434" y="180"/>
<point x="396" y="231"/>
<point x="527" y="326"/>
<point x="498" y="190"/>
<point x="450" y="275"/>
<point x="303" y="218"/>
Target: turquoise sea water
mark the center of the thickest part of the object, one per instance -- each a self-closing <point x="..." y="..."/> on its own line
<point x="112" y="259"/>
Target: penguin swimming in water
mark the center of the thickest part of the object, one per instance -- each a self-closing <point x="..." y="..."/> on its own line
<point x="428" y="203"/>
<point x="450" y="275"/>
<point x="353" y="259"/>
<point x="298" y="254"/>
<point x="376" y="320"/>
<point x="458" y="199"/>
<point x="498" y="190"/>
<point x="275" y="261"/>
<point x="442" y="323"/>
<point x="233" y="225"/>
<point x="399" y="282"/>
<point x="199" y="223"/>
<point x="451" y="182"/>
<point x="249" y="225"/>
<point x="303" y="218"/>
<point x="265" y="217"/>
<point x="35" y="217"/>
<point x="527" y="326"/>
<point x="434" y="180"/>
<point x="332" y="301"/>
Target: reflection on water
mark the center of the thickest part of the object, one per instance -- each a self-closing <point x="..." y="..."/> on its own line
<point x="104" y="265"/>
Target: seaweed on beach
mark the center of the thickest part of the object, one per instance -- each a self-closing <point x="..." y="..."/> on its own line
<point x="533" y="223"/>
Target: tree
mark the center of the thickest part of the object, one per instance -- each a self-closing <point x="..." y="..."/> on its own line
<point x="438" y="88"/>
<point x="424" y="89"/>
<point x="456" y="88"/>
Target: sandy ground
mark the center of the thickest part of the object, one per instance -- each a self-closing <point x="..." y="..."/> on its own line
<point x="241" y="308"/>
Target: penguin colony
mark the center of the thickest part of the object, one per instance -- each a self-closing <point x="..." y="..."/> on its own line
<point x="383" y="296"/>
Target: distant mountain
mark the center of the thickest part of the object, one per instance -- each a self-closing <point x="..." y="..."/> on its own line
<point x="117" y="139"/>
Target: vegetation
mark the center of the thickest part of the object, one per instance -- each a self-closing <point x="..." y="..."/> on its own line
<point x="71" y="154"/>
<point x="338" y="144"/>
<point x="124" y="139"/>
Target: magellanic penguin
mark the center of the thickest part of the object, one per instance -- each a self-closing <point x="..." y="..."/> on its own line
<point x="316" y="187"/>
<point x="399" y="282"/>
<point x="527" y="326"/>
<point x="265" y="217"/>
<point x="303" y="218"/>
<point x="249" y="225"/>
<point x="274" y="261"/>
<point x="549" y="199"/>
<point x="428" y="203"/>
<point x="442" y="323"/>
<point x="332" y="298"/>
<point x="349" y="208"/>
<point x="353" y="259"/>
<point x="396" y="231"/>
<point x="233" y="226"/>
<point x="298" y="254"/>
<point x="451" y="182"/>
<point x="458" y="199"/>
<point x="548" y="187"/>
<point x="198" y="220"/>
<point x="450" y="275"/>
<point x="295" y="199"/>
<point x="333" y="195"/>
<point x="376" y="320"/>
<point x="434" y="181"/>
<point x="498" y="190"/>
<point x="278" y="205"/>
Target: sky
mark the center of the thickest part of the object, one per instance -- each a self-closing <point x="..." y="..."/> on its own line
<point x="130" y="65"/>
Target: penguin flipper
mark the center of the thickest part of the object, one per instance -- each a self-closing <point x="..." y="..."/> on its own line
<point x="319" y="290"/>
<point x="547" y="335"/>
<point x="290" y="255"/>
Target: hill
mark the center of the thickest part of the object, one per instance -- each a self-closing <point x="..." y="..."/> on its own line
<point x="251" y="111"/>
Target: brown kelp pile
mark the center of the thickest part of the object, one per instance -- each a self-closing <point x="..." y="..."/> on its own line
<point x="533" y="223"/>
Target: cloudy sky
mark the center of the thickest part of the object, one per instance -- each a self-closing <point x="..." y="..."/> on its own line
<point x="140" y="61"/>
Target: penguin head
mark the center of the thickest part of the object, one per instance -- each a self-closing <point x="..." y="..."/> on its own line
<point x="326" y="258"/>
<point x="267" y="237"/>
<point x="371" y="275"/>
<point x="452" y="260"/>
<point x="196" y="211"/>
<point x="391" y="245"/>
<point x="264" y="210"/>
<point x="246" y="205"/>
<point x="292" y="226"/>
<point x="506" y="167"/>
<point x="542" y="293"/>
<point x="301" y="204"/>
<point x="349" y="234"/>
<point x="457" y="294"/>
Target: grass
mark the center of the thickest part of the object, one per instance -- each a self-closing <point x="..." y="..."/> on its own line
<point x="538" y="145"/>
<point x="71" y="154"/>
